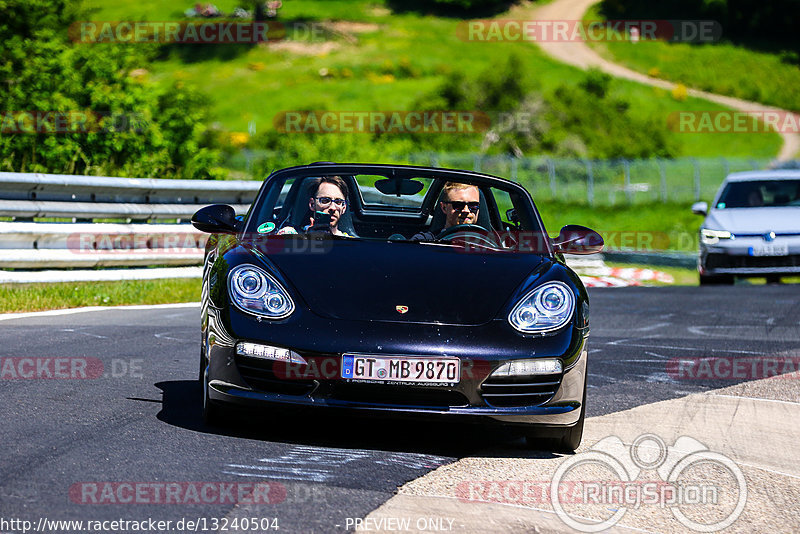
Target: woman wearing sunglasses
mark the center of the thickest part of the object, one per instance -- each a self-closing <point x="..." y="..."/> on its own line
<point x="328" y="195"/>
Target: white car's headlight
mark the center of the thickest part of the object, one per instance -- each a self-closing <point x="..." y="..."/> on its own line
<point x="254" y="291"/>
<point x="547" y="307"/>
<point x="712" y="237"/>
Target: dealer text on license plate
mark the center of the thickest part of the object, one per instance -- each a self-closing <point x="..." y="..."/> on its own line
<point x="401" y="369"/>
<point x="770" y="249"/>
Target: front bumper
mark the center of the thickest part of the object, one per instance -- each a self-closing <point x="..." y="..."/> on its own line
<point x="235" y="379"/>
<point x="738" y="257"/>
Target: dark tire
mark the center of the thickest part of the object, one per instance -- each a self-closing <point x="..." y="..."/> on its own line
<point x="213" y="414"/>
<point x="773" y="279"/>
<point x="723" y="279"/>
<point x="561" y="439"/>
<point x="203" y="362"/>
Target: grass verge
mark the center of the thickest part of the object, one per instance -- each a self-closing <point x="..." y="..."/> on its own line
<point x="374" y="59"/>
<point x="37" y="297"/>
<point x="721" y="68"/>
<point x="645" y="227"/>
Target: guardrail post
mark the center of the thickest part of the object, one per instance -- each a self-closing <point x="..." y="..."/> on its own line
<point x="626" y="165"/>
<point x="551" y="171"/>
<point x="662" y="170"/>
<point x="589" y="182"/>
<point x="696" y="165"/>
<point x="514" y="163"/>
<point x="476" y="163"/>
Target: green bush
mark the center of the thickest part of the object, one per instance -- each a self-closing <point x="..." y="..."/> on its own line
<point x="583" y="120"/>
<point x="132" y="129"/>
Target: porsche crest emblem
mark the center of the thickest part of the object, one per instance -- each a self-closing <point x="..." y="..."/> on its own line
<point x="401" y="309"/>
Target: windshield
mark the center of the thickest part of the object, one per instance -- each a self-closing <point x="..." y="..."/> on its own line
<point x="759" y="194"/>
<point x="491" y="215"/>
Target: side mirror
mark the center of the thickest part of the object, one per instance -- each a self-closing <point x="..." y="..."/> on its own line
<point x="216" y="219"/>
<point x="700" y="208"/>
<point x="576" y="239"/>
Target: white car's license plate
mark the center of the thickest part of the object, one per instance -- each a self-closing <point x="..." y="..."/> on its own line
<point x="401" y="369"/>
<point x="770" y="249"/>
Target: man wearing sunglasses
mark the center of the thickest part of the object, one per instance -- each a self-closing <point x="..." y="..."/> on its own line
<point x="460" y="204"/>
<point x="328" y="195"/>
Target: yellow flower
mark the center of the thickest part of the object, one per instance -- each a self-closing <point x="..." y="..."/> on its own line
<point x="679" y="92"/>
<point x="654" y="72"/>
<point x="238" y="139"/>
<point x="258" y="65"/>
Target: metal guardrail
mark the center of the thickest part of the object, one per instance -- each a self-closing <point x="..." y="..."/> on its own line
<point x="25" y="244"/>
<point x="95" y="197"/>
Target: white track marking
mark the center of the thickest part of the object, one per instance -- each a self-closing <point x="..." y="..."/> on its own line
<point x="72" y="330"/>
<point x="70" y="311"/>
<point x="753" y="398"/>
<point x="691" y="349"/>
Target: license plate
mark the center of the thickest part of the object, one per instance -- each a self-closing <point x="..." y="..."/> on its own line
<point x="401" y="369"/>
<point x="770" y="249"/>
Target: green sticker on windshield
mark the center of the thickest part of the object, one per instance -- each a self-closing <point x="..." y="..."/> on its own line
<point x="266" y="228"/>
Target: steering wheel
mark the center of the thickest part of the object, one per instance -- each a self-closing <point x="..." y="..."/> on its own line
<point x="470" y="232"/>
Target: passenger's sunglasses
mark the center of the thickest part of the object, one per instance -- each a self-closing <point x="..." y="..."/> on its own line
<point x="458" y="205"/>
<point x="326" y="201"/>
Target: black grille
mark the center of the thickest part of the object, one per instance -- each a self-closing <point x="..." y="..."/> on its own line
<point x="397" y="395"/>
<point x="259" y="374"/>
<point x="520" y="391"/>
<point x="725" y="261"/>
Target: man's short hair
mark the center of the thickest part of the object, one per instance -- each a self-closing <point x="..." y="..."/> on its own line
<point x="455" y="186"/>
<point x="335" y="180"/>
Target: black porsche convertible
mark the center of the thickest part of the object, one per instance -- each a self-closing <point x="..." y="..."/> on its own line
<point x="400" y="290"/>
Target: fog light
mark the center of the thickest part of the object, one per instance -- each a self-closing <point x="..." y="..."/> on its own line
<point x="266" y="352"/>
<point x="528" y="368"/>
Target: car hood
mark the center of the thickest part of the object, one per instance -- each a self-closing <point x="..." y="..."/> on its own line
<point x="781" y="220"/>
<point x="368" y="281"/>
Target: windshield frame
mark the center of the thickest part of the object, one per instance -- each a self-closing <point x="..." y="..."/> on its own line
<point x="526" y="210"/>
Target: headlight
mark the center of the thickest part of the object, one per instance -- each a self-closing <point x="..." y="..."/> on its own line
<point x="254" y="291"/>
<point x="545" y="308"/>
<point x="712" y="237"/>
<point x="549" y="366"/>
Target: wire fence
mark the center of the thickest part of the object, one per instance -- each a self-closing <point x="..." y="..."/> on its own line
<point x="587" y="181"/>
<point x="606" y="182"/>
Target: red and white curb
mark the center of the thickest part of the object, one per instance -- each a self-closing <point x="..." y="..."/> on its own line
<point x="597" y="274"/>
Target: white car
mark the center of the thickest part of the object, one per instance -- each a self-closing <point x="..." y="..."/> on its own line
<point x="752" y="228"/>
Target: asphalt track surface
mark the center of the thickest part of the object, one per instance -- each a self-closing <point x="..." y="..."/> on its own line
<point x="139" y="421"/>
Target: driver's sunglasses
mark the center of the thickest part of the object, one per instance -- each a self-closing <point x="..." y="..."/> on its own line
<point x="458" y="205"/>
<point x="326" y="201"/>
